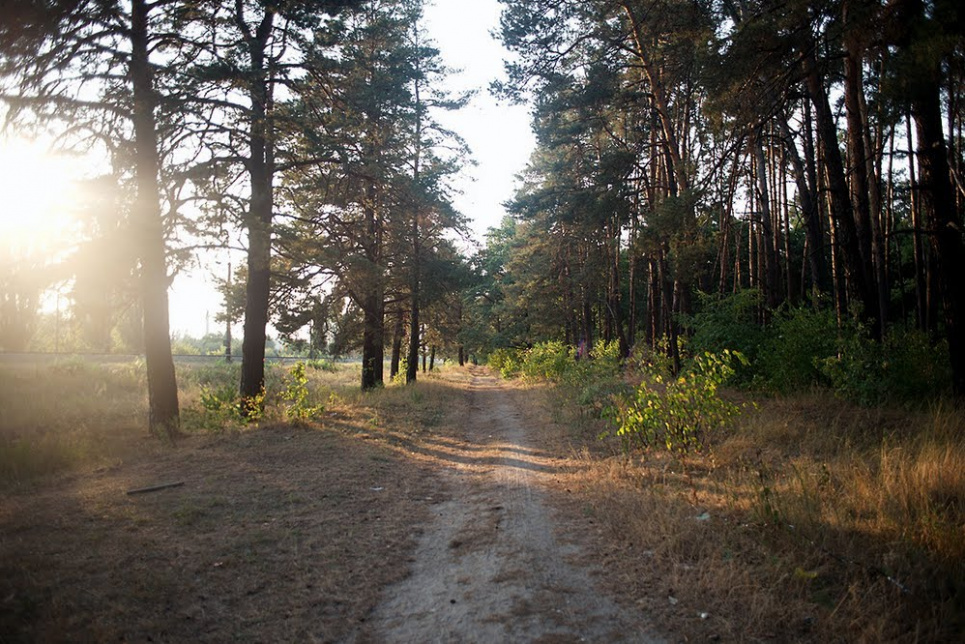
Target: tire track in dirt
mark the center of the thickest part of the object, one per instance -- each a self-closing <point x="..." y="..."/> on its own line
<point x="491" y="567"/>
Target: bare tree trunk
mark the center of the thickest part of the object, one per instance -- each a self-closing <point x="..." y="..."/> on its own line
<point x="771" y="269"/>
<point x="614" y="303"/>
<point x="373" y="301"/>
<point x="938" y="206"/>
<point x="858" y="273"/>
<point x="397" y="334"/>
<point x="164" y="413"/>
<point x="921" y="303"/>
<point x="258" y="219"/>
<point x="860" y="189"/>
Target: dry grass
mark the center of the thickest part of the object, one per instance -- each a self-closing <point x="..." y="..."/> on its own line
<point x="813" y="520"/>
<point x="280" y="531"/>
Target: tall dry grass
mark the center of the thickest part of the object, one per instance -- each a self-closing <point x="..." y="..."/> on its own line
<point x="74" y="414"/>
<point x="810" y="520"/>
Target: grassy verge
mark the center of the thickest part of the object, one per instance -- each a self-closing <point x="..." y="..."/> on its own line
<point x="810" y="519"/>
<point x="77" y="415"/>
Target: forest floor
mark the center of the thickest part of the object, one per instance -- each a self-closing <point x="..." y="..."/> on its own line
<point x="370" y="526"/>
<point x="468" y="509"/>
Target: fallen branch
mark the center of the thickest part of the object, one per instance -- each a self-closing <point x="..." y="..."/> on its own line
<point x="155" y="488"/>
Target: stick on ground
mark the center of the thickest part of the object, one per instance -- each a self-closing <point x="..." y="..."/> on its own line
<point x="155" y="488"/>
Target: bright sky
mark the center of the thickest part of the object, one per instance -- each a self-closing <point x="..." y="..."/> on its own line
<point x="36" y="189"/>
<point x="498" y="135"/>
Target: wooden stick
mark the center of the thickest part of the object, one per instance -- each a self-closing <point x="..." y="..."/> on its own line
<point x="155" y="488"/>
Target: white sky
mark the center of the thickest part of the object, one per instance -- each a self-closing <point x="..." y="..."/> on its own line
<point x="498" y="135"/>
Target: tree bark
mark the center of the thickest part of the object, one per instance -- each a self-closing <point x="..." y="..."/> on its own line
<point x="397" y="334"/>
<point x="938" y="207"/>
<point x="164" y="413"/>
<point x="373" y="303"/>
<point x="258" y="220"/>
<point x="859" y="171"/>
<point x="840" y="203"/>
<point x="772" y="273"/>
<point x="809" y="212"/>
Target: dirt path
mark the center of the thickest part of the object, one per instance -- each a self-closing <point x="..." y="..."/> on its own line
<point x="492" y="566"/>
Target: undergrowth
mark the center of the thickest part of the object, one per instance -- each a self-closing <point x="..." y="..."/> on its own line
<point x="825" y="515"/>
<point x="811" y="519"/>
<point x="76" y="414"/>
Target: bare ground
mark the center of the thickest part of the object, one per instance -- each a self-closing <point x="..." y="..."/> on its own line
<point x="363" y="528"/>
<point x="492" y="566"/>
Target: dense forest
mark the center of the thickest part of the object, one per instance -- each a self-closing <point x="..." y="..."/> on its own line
<point x="780" y="178"/>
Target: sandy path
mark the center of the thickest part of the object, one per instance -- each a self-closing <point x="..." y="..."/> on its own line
<point x="492" y="566"/>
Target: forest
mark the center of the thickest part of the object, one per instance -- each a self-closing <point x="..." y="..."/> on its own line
<point x="710" y="363"/>
<point x="782" y="179"/>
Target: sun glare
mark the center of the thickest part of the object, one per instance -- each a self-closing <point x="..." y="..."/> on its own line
<point x="37" y="195"/>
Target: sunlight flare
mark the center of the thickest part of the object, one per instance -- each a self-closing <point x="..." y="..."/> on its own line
<point x="37" y="198"/>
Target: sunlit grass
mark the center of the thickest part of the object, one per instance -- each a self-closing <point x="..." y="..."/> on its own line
<point x="55" y="416"/>
<point x="75" y="414"/>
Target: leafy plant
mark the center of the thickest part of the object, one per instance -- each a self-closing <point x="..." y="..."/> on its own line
<point x="904" y="367"/>
<point x="796" y="342"/>
<point x="506" y="361"/>
<point x="729" y="322"/>
<point x="548" y="360"/>
<point x="321" y="364"/>
<point x="296" y="394"/>
<point x="678" y="413"/>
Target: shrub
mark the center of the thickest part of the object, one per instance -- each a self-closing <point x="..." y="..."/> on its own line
<point x="507" y="361"/>
<point x="321" y="364"/>
<point x="794" y="346"/>
<point x="296" y="394"/>
<point x="905" y="367"/>
<point x="678" y="413"/>
<point x="731" y="322"/>
<point x="548" y="361"/>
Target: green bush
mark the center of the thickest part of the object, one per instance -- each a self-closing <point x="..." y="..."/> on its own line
<point x="906" y="367"/>
<point x="795" y="344"/>
<point x="321" y="364"/>
<point x="548" y="361"/>
<point x="731" y="322"/>
<point x="678" y="413"/>
<point x="507" y="361"/>
<point x="296" y="394"/>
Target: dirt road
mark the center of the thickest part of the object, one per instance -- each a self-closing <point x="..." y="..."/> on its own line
<point x="494" y="566"/>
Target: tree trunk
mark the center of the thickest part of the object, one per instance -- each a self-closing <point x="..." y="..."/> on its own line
<point x="938" y="207"/>
<point x="373" y="341"/>
<point x="373" y="300"/>
<point x="614" y="303"/>
<point x="412" y="363"/>
<point x="859" y="171"/>
<point x="164" y="414"/>
<point x="809" y="213"/>
<point x="258" y="220"/>
<point x="858" y="274"/>
<point x="772" y="274"/>
<point x="397" y="335"/>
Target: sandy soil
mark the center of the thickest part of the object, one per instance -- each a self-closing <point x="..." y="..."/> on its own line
<point x="497" y="564"/>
